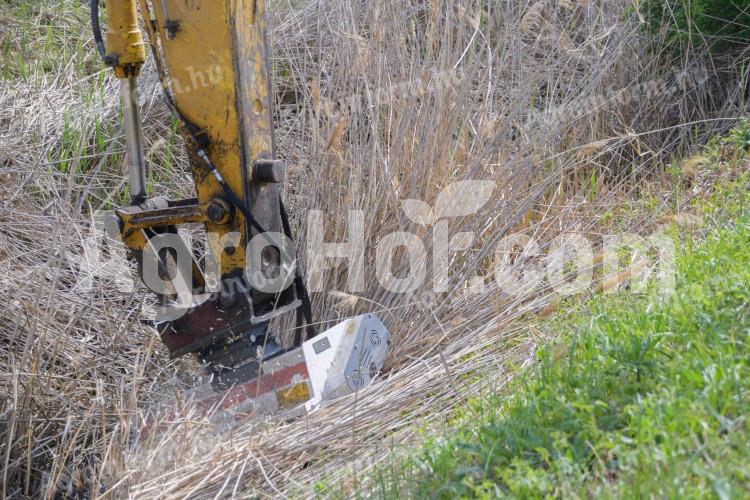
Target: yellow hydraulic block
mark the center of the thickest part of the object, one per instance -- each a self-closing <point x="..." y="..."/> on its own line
<point x="126" y="51"/>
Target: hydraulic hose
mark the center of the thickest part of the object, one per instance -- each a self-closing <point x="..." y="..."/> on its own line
<point x="98" y="38"/>
<point x="299" y="284"/>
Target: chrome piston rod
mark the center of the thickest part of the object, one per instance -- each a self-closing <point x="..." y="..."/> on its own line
<point x="133" y="140"/>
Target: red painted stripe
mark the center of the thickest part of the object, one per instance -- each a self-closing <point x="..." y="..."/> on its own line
<point x="254" y="388"/>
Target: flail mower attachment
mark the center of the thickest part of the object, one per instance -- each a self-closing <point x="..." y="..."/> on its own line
<point x="337" y="362"/>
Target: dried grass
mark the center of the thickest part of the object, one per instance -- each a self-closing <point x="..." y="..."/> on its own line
<point x="377" y="102"/>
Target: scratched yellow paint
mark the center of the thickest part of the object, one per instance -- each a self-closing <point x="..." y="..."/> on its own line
<point x="293" y="396"/>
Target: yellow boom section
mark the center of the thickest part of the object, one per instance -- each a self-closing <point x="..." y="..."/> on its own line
<point x="215" y="54"/>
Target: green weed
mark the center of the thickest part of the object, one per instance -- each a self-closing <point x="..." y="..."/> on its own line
<point x="644" y="396"/>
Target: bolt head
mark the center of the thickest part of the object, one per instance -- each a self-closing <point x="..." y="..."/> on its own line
<point x="216" y="212"/>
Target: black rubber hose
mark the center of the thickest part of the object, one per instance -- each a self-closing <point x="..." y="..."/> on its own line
<point x="299" y="285"/>
<point x="233" y="198"/>
<point x="97" y="30"/>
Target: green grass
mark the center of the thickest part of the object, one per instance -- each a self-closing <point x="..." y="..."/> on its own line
<point x="43" y="38"/>
<point x="644" y="395"/>
<point x="47" y="51"/>
<point x="723" y="23"/>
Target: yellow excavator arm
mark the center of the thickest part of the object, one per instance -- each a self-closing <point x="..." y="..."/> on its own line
<point x="212" y="58"/>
